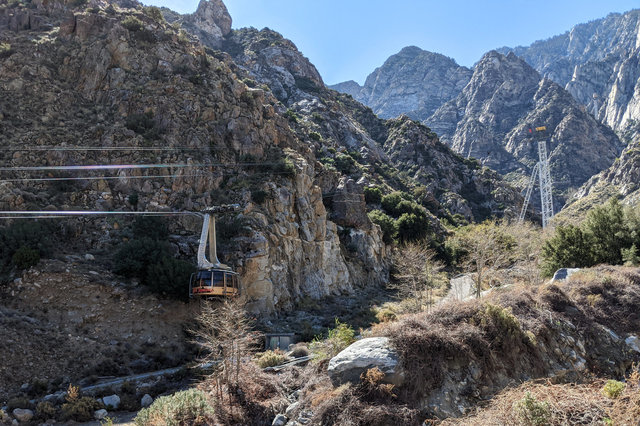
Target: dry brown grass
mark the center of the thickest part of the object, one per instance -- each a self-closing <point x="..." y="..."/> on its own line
<point x="256" y="397"/>
<point x="564" y="404"/>
<point x="568" y="404"/>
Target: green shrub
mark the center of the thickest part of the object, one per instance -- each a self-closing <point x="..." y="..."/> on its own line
<point x="169" y="277"/>
<point x="5" y="50"/>
<point x="386" y="314"/>
<point x="271" y="359"/>
<point x="390" y="202"/>
<point x="25" y="257"/>
<point x="386" y="223"/>
<point x="291" y="115"/>
<point x="259" y="196"/>
<point x="80" y="409"/>
<point x="569" y="247"/>
<point x="630" y="256"/>
<point x="18" y="402"/>
<point x="372" y="195"/>
<point x="153" y="227"/>
<point x="154" y="13"/>
<point x="45" y="410"/>
<point x="181" y="408"/>
<point x="315" y="136"/>
<point x="344" y="163"/>
<point x="133" y="257"/>
<point x="412" y="227"/>
<point x="338" y="338"/>
<point x="133" y="24"/>
<point x="33" y="235"/>
<point x="532" y="412"/>
<point x="613" y="389"/>
<point x="286" y="167"/>
<point x="134" y="199"/>
<point x="143" y="124"/>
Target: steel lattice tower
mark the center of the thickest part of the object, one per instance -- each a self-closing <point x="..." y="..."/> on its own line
<point x="545" y="184"/>
<point x="541" y="169"/>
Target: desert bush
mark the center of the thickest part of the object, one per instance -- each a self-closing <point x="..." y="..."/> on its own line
<point x="143" y="124"/>
<point x="291" y="115"/>
<point x="80" y="409"/>
<point x="185" y="407"/>
<point x="45" y="410"/>
<point x="372" y="195"/>
<point x="532" y="412"/>
<point x="386" y="223"/>
<point x="132" y="23"/>
<point x="630" y="256"/>
<point x="5" y="50"/>
<point x="259" y="196"/>
<point x="481" y="249"/>
<point x="338" y="338"/>
<point x="18" y="402"/>
<point x="413" y="227"/>
<point x="315" y="136"/>
<point x="390" y="202"/>
<point x="153" y="227"/>
<point x="386" y="314"/>
<point x="613" y="389"/>
<point x="344" y="163"/>
<point x="25" y="257"/>
<point x="271" y="359"/>
<point x="154" y="13"/>
<point x="134" y="257"/>
<point x="299" y="351"/>
<point x="371" y="388"/>
<point x="169" y="276"/>
<point x="28" y="237"/>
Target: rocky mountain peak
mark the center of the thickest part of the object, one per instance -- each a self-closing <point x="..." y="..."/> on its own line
<point x="413" y="82"/>
<point x="597" y="63"/>
<point x="210" y="22"/>
<point x="489" y="119"/>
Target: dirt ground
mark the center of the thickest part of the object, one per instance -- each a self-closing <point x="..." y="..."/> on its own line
<point x="73" y="322"/>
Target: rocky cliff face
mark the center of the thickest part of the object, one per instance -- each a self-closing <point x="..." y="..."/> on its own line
<point x="490" y="119"/>
<point x="414" y="82"/>
<point x="335" y="125"/>
<point x="621" y="180"/>
<point x="117" y="77"/>
<point x="597" y="63"/>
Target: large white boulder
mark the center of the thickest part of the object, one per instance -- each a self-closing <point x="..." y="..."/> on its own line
<point x="111" y="401"/>
<point x="365" y="354"/>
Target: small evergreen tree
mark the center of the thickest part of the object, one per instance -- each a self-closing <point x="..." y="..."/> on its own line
<point x="570" y="247"/>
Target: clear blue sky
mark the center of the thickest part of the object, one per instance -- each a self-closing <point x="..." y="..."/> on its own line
<point x="347" y="39"/>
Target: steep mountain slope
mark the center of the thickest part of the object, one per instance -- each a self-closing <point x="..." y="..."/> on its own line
<point x="490" y="119"/>
<point x="251" y="128"/>
<point x="334" y="122"/>
<point x="414" y="82"/>
<point x="119" y="77"/>
<point x="621" y="180"/>
<point x="597" y="63"/>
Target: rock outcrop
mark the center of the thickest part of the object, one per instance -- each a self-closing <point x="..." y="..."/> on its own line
<point x="597" y="63"/>
<point x="274" y="61"/>
<point x="414" y="82"/>
<point x="367" y="353"/>
<point x="490" y="119"/>
<point x="621" y="180"/>
<point x="334" y="122"/>
<point x="210" y="22"/>
<point x="125" y="78"/>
